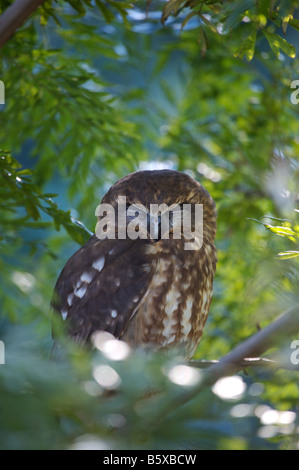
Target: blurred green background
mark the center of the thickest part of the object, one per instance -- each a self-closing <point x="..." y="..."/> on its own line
<point x="95" y="90"/>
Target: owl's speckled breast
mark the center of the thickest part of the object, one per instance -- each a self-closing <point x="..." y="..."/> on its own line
<point x="175" y="308"/>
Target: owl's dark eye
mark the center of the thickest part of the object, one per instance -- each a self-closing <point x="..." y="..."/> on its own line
<point x="132" y="211"/>
<point x="178" y="209"/>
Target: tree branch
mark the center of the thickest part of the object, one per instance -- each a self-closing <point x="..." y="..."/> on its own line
<point x="14" y="16"/>
<point x="248" y="362"/>
<point x="284" y="326"/>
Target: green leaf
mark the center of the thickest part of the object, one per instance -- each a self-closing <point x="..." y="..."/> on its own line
<point x="288" y="254"/>
<point x="210" y="25"/>
<point x="247" y="47"/>
<point x="77" y="5"/>
<point x="278" y="43"/>
<point x="236" y="12"/>
<point x="282" y="231"/>
<point x="107" y="13"/>
<point x="171" y="7"/>
<point x="32" y="210"/>
<point x="188" y="18"/>
<point x="294" y="22"/>
<point x="203" y="40"/>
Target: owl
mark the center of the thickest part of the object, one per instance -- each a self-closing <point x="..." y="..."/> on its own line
<point x="150" y="286"/>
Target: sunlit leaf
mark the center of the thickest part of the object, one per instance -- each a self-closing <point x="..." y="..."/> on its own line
<point x="278" y="43"/>
<point x="288" y="254"/>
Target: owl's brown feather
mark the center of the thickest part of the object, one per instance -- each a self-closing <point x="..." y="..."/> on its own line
<point x="98" y="287"/>
<point x="150" y="293"/>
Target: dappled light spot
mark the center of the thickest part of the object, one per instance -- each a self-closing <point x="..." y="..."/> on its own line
<point x="184" y="375"/>
<point x="116" y="350"/>
<point x="100" y="337"/>
<point x="241" y="410"/>
<point x="256" y="389"/>
<point x="24" y="281"/>
<point x="271" y="416"/>
<point x="156" y="165"/>
<point x="106" y="376"/>
<point x="89" y="442"/>
<point x="113" y="349"/>
<point x="266" y="432"/>
<point x="116" y="420"/>
<point x="229" y="388"/>
<point x="92" y="388"/>
<point x="208" y="172"/>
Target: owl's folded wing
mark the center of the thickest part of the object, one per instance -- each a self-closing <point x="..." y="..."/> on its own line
<point x="101" y="286"/>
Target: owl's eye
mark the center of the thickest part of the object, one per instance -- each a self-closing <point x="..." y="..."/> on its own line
<point x="178" y="209"/>
<point x="132" y="211"/>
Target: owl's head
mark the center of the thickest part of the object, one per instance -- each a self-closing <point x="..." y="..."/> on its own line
<point x="167" y="189"/>
<point x="158" y="187"/>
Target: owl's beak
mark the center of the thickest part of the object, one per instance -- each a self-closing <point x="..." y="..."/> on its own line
<point x="154" y="226"/>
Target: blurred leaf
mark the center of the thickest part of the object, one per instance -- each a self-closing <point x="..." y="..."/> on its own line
<point x="278" y="43"/>
<point x="87" y="103"/>
<point x="20" y="191"/>
<point x="288" y="254"/>
<point x="247" y="47"/>
<point x="295" y="23"/>
<point x="171" y="7"/>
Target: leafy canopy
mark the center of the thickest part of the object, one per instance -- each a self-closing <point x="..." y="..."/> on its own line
<point x="95" y="90"/>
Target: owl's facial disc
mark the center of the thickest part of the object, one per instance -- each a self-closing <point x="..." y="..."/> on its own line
<point x="145" y="221"/>
<point x="162" y="222"/>
<point x="154" y="221"/>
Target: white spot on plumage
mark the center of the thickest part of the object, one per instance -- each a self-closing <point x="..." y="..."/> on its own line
<point x="86" y="277"/>
<point x="80" y="292"/>
<point x="99" y="264"/>
<point x="64" y="314"/>
<point x="70" y="299"/>
<point x="113" y="313"/>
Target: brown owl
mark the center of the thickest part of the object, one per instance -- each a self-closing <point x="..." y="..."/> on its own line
<point x="152" y="289"/>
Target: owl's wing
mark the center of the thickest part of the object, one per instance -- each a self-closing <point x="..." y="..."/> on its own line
<point x="101" y="286"/>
